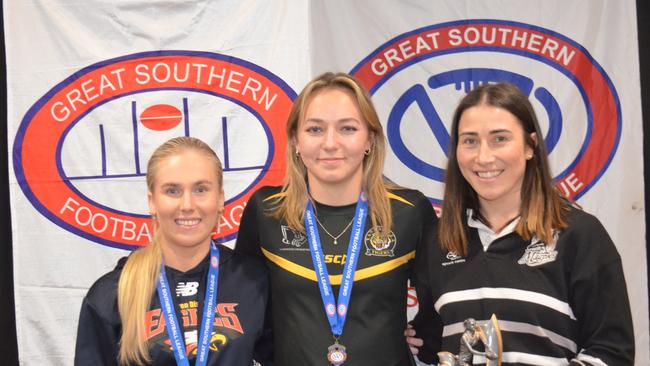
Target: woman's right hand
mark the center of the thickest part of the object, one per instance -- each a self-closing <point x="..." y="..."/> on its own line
<point x="413" y="342"/>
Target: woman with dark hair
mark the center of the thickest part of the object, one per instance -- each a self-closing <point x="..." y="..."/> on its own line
<point x="510" y="244"/>
<point x="316" y="240"/>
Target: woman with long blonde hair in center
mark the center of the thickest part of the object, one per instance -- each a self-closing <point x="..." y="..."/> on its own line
<point x="339" y="240"/>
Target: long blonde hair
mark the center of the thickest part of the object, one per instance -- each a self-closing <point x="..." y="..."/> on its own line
<point x="542" y="209"/>
<point x="137" y="282"/>
<point x="290" y="207"/>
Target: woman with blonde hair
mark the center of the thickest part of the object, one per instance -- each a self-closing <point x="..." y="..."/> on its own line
<point x="183" y="297"/>
<point x="338" y="239"/>
<point x="511" y="245"/>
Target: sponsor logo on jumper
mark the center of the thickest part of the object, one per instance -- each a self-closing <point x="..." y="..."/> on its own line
<point x="538" y="252"/>
<point x="226" y="326"/>
<point x="380" y="245"/>
<point x="187" y="289"/>
<point x="294" y="239"/>
<point x="81" y="150"/>
<point x="453" y="258"/>
<point x="418" y="77"/>
<point x="336" y="258"/>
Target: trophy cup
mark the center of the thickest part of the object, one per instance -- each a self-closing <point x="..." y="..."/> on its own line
<point x="489" y="334"/>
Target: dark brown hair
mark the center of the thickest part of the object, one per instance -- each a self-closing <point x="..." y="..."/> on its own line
<point x="542" y="210"/>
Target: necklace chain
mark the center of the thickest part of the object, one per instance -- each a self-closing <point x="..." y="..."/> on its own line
<point x="332" y="236"/>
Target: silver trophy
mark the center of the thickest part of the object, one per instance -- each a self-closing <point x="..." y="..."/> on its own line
<point x="489" y="334"/>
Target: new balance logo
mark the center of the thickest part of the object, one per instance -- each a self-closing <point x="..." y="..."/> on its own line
<point x="187" y="288"/>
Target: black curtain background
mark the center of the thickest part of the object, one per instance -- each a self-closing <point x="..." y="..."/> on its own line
<point x="8" y="346"/>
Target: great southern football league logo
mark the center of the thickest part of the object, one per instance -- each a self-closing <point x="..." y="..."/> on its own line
<point x="81" y="151"/>
<point x="417" y="79"/>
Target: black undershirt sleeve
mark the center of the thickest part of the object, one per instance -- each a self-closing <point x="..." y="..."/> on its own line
<point x="248" y="242"/>
<point x="427" y="323"/>
<point x="248" y="238"/>
<point x="263" y="352"/>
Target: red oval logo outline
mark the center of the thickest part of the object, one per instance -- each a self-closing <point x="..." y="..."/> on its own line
<point x="35" y="153"/>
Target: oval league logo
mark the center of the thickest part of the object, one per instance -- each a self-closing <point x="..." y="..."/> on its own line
<point x="81" y="151"/>
<point x="417" y="79"/>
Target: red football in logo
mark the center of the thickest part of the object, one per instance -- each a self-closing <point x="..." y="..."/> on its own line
<point x="161" y="117"/>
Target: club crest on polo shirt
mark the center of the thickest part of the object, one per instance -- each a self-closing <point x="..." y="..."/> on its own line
<point x="453" y="258"/>
<point x="379" y="245"/>
<point x="294" y="239"/>
<point x="538" y="252"/>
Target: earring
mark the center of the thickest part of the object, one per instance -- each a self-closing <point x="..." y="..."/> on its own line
<point x="529" y="156"/>
<point x="367" y="152"/>
<point x="297" y="152"/>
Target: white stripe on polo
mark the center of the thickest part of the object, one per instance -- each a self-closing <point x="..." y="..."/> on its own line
<point x="504" y="293"/>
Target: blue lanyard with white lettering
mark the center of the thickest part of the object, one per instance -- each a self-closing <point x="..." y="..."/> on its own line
<point x="210" y="302"/>
<point x="336" y="314"/>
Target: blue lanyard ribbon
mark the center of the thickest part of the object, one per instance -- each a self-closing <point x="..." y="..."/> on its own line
<point x="210" y="303"/>
<point x="336" y="313"/>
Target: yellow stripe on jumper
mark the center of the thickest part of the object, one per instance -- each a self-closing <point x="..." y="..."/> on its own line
<point x="276" y="195"/>
<point x="398" y="198"/>
<point x="359" y="275"/>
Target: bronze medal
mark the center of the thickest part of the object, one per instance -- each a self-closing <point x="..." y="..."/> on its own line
<point x="336" y="354"/>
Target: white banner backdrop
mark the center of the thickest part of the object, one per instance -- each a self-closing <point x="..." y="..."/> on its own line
<point x="577" y="60"/>
<point x="88" y="83"/>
